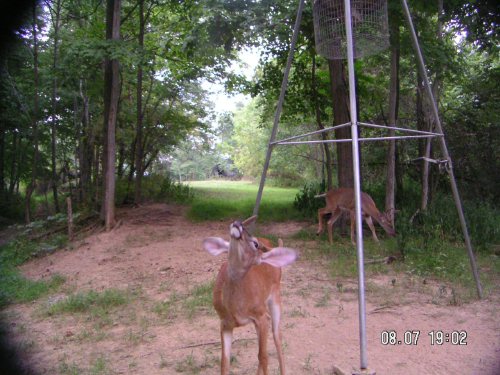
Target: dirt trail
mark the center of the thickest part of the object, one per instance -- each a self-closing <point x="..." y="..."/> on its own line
<point x="156" y="256"/>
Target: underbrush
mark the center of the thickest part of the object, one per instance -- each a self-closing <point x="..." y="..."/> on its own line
<point x="14" y="287"/>
<point x="36" y="239"/>
<point x="306" y="201"/>
<point x="156" y="188"/>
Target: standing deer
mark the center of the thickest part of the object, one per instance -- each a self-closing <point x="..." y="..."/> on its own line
<point x="247" y="289"/>
<point x="342" y="199"/>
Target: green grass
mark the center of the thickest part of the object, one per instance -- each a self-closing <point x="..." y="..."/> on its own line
<point x="192" y="365"/>
<point x="199" y="299"/>
<point x="228" y="200"/>
<point x="99" y="308"/>
<point x="14" y="287"/>
<point x="195" y="301"/>
<point x="89" y="302"/>
<point x="443" y="262"/>
<point x="98" y="366"/>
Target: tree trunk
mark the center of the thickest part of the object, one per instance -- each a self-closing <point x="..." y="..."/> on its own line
<point x="139" y="148"/>
<point x="326" y="148"/>
<point x="97" y="161"/>
<point x="390" y="187"/>
<point x="2" y="163"/>
<point x="340" y="95"/>
<point x="31" y="187"/>
<point x="87" y="143"/>
<point x="121" y="159"/>
<point x="54" y="104"/>
<point x="79" y="148"/>
<point x="14" y="163"/>
<point x="131" y="163"/>
<point x="111" y="96"/>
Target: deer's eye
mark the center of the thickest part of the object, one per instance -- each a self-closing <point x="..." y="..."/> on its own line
<point x="256" y="244"/>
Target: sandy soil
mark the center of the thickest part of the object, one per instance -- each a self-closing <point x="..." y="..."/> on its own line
<point x="156" y="256"/>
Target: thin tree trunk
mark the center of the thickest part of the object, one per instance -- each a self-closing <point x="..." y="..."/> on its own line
<point x="2" y="163"/>
<point x="139" y="149"/>
<point x="341" y="115"/>
<point x="14" y="164"/>
<point x="326" y="148"/>
<point x="131" y="163"/>
<point x="390" y="187"/>
<point x="111" y="97"/>
<point x="340" y="95"/>
<point x="97" y="160"/>
<point x="79" y="148"/>
<point x="152" y="157"/>
<point x="87" y="147"/>
<point x="54" y="104"/>
<point x="121" y="159"/>
<point x="31" y="187"/>
<point x="16" y="161"/>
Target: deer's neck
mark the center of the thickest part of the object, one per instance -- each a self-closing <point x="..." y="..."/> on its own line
<point x="237" y="265"/>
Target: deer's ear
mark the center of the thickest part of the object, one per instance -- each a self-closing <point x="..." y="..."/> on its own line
<point x="215" y="245"/>
<point x="279" y="257"/>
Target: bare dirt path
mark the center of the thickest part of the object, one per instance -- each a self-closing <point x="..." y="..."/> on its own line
<point x="155" y="256"/>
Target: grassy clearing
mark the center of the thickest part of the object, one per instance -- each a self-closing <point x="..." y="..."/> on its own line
<point x="226" y="200"/>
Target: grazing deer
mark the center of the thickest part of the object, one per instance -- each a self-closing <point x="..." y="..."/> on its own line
<point x="342" y="199"/>
<point x="247" y="289"/>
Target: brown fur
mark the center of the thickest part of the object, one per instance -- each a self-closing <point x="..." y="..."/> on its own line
<point x="342" y="199"/>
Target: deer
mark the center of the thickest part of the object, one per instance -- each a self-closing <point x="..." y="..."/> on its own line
<point x="247" y="289"/>
<point x="342" y="200"/>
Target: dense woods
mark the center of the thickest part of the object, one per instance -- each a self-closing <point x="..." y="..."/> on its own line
<point x="98" y="93"/>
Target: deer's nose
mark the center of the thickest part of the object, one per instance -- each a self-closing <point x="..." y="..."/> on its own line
<point x="236" y="229"/>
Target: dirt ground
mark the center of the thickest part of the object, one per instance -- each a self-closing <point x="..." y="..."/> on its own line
<point x="156" y="256"/>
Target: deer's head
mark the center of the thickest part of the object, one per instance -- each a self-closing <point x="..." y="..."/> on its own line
<point x="244" y="250"/>
<point x="386" y="220"/>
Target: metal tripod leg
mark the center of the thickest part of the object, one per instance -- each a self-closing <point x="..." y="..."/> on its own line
<point x="279" y="108"/>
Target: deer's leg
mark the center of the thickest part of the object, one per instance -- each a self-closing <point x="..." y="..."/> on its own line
<point x="262" y="328"/>
<point x="275" y="310"/>
<point x="353" y="227"/>
<point x="369" y="221"/>
<point x="321" y="212"/>
<point x="335" y="215"/>
<point x="226" y="339"/>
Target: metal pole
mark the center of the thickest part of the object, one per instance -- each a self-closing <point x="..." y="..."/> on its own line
<point x="397" y="128"/>
<point x="357" y="188"/>
<point x="344" y="140"/>
<point x="444" y="149"/>
<point x="279" y="108"/>
<point x="312" y="133"/>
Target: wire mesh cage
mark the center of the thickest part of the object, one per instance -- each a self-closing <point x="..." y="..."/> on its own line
<point x="369" y="27"/>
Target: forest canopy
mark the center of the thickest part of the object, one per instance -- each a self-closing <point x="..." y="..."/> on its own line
<point x="97" y="96"/>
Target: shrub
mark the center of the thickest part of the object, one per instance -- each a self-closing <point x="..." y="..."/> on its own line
<point x="305" y="201"/>
<point x="155" y="187"/>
